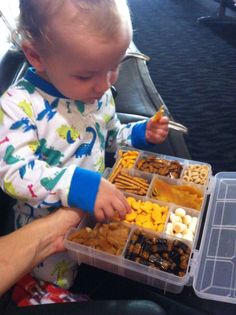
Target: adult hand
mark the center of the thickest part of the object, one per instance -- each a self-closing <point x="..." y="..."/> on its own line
<point x="23" y="249"/>
<point x="61" y="221"/>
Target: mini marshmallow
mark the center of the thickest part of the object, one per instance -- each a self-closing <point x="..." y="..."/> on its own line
<point x="174" y="218"/>
<point x="169" y="228"/>
<point x="179" y="235"/>
<point x="180" y="212"/>
<point x="192" y="226"/>
<point x="194" y="219"/>
<point x="179" y="227"/>
<point x="187" y="231"/>
<point x="187" y="219"/>
<point x="188" y="236"/>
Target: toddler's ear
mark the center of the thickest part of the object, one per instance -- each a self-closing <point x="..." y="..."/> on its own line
<point x="32" y="55"/>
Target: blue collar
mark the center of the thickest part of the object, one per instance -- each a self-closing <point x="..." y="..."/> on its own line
<point x="42" y="84"/>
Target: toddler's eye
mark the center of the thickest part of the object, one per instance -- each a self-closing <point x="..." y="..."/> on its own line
<point x="82" y="78"/>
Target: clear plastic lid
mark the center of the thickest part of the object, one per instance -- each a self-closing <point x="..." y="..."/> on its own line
<point x="215" y="276"/>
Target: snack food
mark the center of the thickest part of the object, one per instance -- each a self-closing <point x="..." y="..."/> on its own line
<point x="183" y="195"/>
<point x="131" y="184"/>
<point x="164" y="254"/>
<point x="162" y="224"/>
<point x="147" y="214"/>
<point x="159" y="114"/>
<point x="126" y="159"/>
<point x="156" y="165"/>
<point x="108" y="237"/>
<point x="197" y="173"/>
<point x="182" y="225"/>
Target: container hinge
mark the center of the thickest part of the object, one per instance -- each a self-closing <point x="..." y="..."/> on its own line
<point x="211" y="185"/>
<point x="193" y="263"/>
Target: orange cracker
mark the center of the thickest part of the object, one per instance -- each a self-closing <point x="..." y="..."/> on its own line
<point x="159" y="114"/>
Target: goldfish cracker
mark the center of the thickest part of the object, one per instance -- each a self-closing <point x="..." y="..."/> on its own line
<point x="148" y="225"/>
<point x="130" y="200"/>
<point x="130" y="216"/>
<point x="146" y="206"/>
<point x="155" y="206"/>
<point x="140" y="219"/>
<point x="147" y="214"/>
<point x="156" y="215"/>
<point x="165" y="209"/>
<point x="160" y="227"/>
<point x="163" y="217"/>
<point x="136" y="205"/>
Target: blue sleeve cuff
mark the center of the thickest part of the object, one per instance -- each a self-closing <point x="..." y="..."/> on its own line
<point x="83" y="189"/>
<point x="138" y="136"/>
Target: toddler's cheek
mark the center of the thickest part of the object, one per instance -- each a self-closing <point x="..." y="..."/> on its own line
<point x="114" y="77"/>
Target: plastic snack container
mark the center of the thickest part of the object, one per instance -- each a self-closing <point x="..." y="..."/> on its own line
<point x="212" y="264"/>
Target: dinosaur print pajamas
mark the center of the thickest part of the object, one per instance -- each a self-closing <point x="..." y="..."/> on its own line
<point x="52" y="152"/>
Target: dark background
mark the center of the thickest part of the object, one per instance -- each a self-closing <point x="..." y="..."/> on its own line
<point x="193" y="68"/>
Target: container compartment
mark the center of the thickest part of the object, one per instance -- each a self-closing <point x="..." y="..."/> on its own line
<point x="210" y="265"/>
<point x="159" y="252"/>
<point x="131" y="181"/>
<point x="125" y="159"/>
<point x="224" y="213"/>
<point x="197" y="173"/>
<point x="182" y="223"/>
<point x="155" y="164"/>
<point x="177" y="192"/>
<point x="215" y="273"/>
<point x="148" y="214"/>
<point x="109" y="238"/>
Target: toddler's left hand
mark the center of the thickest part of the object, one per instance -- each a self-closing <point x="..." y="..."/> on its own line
<point x="157" y="131"/>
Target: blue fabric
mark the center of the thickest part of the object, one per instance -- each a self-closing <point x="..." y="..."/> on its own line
<point x="42" y="84"/>
<point x="83" y="189"/>
<point x="138" y="136"/>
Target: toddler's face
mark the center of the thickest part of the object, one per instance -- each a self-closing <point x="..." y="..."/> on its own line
<point x="84" y="68"/>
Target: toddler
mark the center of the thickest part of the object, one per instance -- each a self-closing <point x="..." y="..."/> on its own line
<point x="58" y="120"/>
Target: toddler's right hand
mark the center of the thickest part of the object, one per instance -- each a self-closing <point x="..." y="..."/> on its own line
<point x="109" y="201"/>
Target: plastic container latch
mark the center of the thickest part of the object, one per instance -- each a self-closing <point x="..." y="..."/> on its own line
<point x="193" y="263"/>
<point x="211" y="185"/>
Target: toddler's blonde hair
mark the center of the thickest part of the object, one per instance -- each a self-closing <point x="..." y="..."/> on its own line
<point x="95" y="17"/>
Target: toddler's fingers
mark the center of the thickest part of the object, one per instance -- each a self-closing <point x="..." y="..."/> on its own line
<point x="99" y="214"/>
<point x="109" y="211"/>
<point x="125" y="202"/>
<point x="153" y="124"/>
<point x="120" y="208"/>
